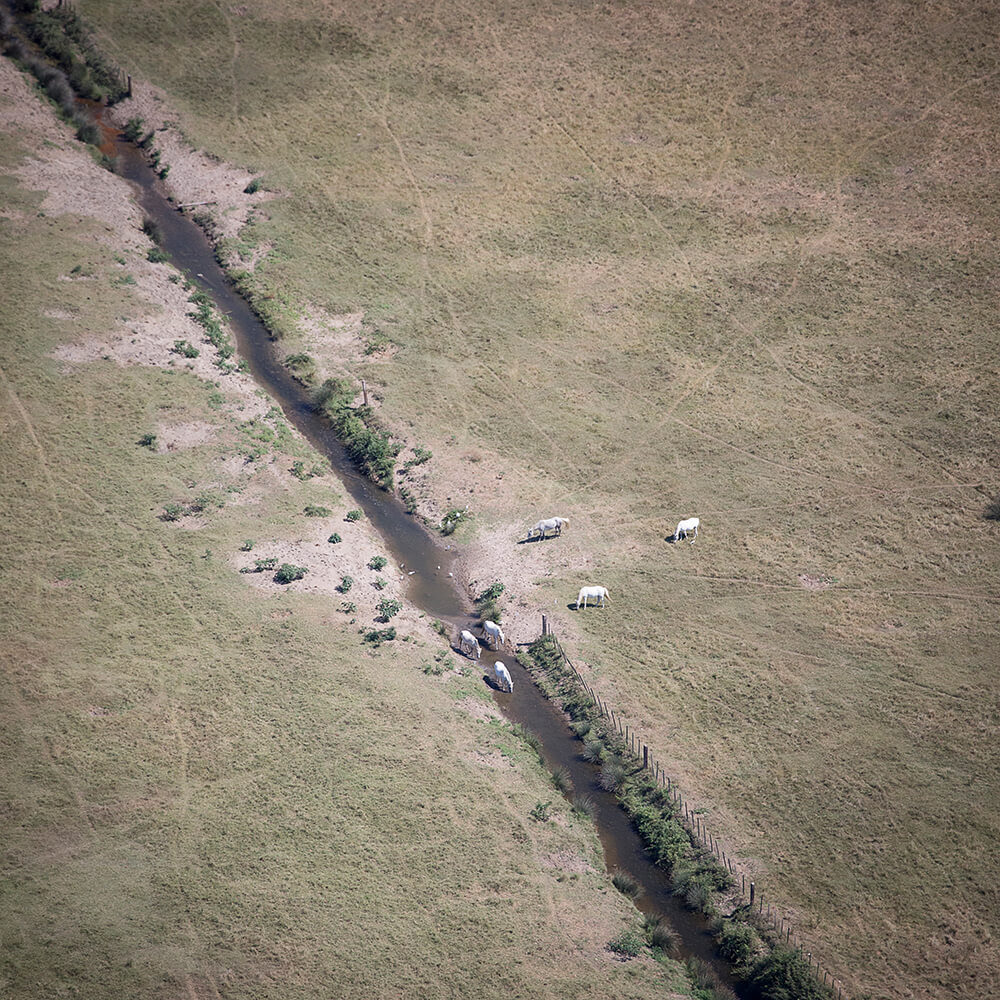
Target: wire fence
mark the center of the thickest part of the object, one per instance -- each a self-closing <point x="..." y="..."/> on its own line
<point x="764" y="911"/>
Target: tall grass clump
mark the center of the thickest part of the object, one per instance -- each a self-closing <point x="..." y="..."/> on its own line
<point x="625" y="884"/>
<point x="370" y="447"/>
<point x="658" y="934"/>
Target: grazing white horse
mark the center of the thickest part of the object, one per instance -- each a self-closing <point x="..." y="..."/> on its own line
<point x="599" y="594"/>
<point x="493" y="634"/>
<point x="688" y="525"/>
<point x="468" y="640"/>
<point x="504" y="681"/>
<point x="553" y="524"/>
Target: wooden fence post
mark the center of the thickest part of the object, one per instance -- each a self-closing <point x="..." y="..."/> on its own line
<point x="645" y="757"/>
<point x="364" y="392"/>
<point x="753" y="889"/>
<point x="545" y="625"/>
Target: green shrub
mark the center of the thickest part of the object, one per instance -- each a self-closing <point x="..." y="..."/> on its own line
<point x="185" y="348"/>
<point x="370" y="447"/>
<point x="334" y="539"/>
<point x="254" y="186"/>
<point x="287" y="573"/>
<point x="173" y="512"/>
<point x="738" y="944"/>
<point x="260" y="565"/>
<point x="315" y="510"/>
<point x="377" y="636"/>
<point x="377" y="563"/>
<point x="203" y="501"/>
<point x="379" y="583"/>
<point x="157" y="256"/>
<point x="784" y="974"/>
<point x="348" y="607"/>
<point x="205" y="317"/>
<point x="133" y="130"/>
<point x="247" y="545"/>
<point x="584" y="806"/>
<point x="420" y="455"/>
<point x="540" y="812"/>
<point x="628" y="944"/>
<point x="147" y="441"/>
<point x="346" y="583"/>
<point x="387" y="608"/>
<point x="353" y="515"/>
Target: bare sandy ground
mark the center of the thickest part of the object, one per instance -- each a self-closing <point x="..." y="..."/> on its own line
<point x="71" y="183"/>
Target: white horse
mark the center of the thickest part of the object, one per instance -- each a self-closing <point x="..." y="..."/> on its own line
<point x="493" y="634"/>
<point x="468" y="640"/>
<point x="688" y="525"/>
<point x="504" y="681"/>
<point x="553" y="524"/>
<point x="599" y="594"/>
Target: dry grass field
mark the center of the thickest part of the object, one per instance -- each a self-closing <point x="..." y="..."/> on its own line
<point x="211" y="788"/>
<point x="649" y="260"/>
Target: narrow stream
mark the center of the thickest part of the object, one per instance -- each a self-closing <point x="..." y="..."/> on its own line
<point x="431" y="588"/>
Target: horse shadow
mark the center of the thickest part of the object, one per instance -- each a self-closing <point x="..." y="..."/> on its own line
<point x="535" y="538"/>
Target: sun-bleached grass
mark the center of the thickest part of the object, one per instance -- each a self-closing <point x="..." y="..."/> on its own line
<point x="214" y="791"/>
<point x="664" y="272"/>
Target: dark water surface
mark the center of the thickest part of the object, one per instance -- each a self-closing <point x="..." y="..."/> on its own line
<point x="431" y="588"/>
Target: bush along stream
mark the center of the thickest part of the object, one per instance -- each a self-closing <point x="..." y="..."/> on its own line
<point x="652" y="858"/>
<point x="762" y="964"/>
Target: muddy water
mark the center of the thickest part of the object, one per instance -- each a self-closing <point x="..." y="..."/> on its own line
<point x="432" y="588"/>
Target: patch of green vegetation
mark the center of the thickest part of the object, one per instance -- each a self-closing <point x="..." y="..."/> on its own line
<point x="185" y="349"/>
<point x="303" y="367"/>
<point x="628" y="944"/>
<point x="289" y="573"/>
<point x="453" y="518"/>
<point x="388" y="608"/>
<point x="368" y="444"/>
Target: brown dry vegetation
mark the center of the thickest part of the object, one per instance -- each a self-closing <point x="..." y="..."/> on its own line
<point x="651" y="260"/>
<point x="210" y="790"/>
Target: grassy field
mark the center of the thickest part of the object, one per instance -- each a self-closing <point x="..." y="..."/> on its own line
<point x="655" y="260"/>
<point x="212" y="790"/>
